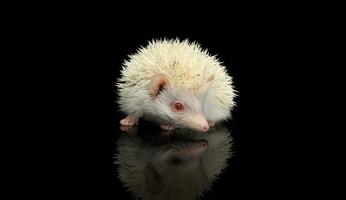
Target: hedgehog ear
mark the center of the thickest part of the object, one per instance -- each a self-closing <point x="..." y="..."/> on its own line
<point x="157" y="83"/>
<point x="210" y="78"/>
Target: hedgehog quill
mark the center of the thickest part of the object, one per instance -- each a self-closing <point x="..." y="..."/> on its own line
<point x="176" y="84"/>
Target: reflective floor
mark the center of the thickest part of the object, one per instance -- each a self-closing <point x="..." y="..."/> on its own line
<point x="150" y="163"/>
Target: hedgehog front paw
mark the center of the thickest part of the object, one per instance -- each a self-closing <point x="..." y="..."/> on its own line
<point x="166" y="127"/>
<point x="129" y="121"/>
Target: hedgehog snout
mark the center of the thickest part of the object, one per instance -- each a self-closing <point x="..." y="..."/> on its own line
<point x="202" y="123"/>
<point x="197" y="122"/>
<point x="205" y="128"/>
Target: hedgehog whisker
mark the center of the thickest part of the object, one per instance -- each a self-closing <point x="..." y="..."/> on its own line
<point x="172" y="127"/>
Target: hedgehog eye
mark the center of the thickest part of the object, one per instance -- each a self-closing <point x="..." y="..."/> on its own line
<point x="178" y="106"/>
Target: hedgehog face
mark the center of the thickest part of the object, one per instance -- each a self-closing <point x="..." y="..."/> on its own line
<point x="182" y="108"/>
<point x="178" y="106"/>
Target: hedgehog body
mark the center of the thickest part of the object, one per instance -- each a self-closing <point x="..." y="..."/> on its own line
<point x="166" y="71"/>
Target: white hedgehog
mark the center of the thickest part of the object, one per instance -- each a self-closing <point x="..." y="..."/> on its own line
<point x="175" y="83"/>
<point x="181" y="168"/>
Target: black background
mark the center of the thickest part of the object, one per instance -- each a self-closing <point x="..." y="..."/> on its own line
<point x="74" y="61"/>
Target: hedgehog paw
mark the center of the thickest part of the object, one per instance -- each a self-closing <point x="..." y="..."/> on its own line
<point x="129" y="121"/>
<point x="166" y="127"/>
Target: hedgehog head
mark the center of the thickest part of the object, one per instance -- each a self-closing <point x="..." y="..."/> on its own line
<point x="180" y="106"/>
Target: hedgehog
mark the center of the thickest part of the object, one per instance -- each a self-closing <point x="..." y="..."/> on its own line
<point x="175" y="83"/>
<point x="182" y="166"/>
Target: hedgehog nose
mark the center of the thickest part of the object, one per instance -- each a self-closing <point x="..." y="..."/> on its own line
<point x="205" y="128"/>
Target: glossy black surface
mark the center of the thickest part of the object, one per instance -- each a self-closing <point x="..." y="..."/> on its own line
<point x="74" y="138"/>
<point x="151" y="164"/>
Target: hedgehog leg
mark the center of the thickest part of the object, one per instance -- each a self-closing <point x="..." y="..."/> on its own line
<point x="166" y="127"/>
<point x="129" y="121"/>
<point x="211" y="123"/>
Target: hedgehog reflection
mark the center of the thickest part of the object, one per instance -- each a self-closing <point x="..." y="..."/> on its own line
<point x="180" y="166"/>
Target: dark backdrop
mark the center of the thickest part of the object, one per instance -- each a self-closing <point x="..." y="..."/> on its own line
<point x="77" y="61"/>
